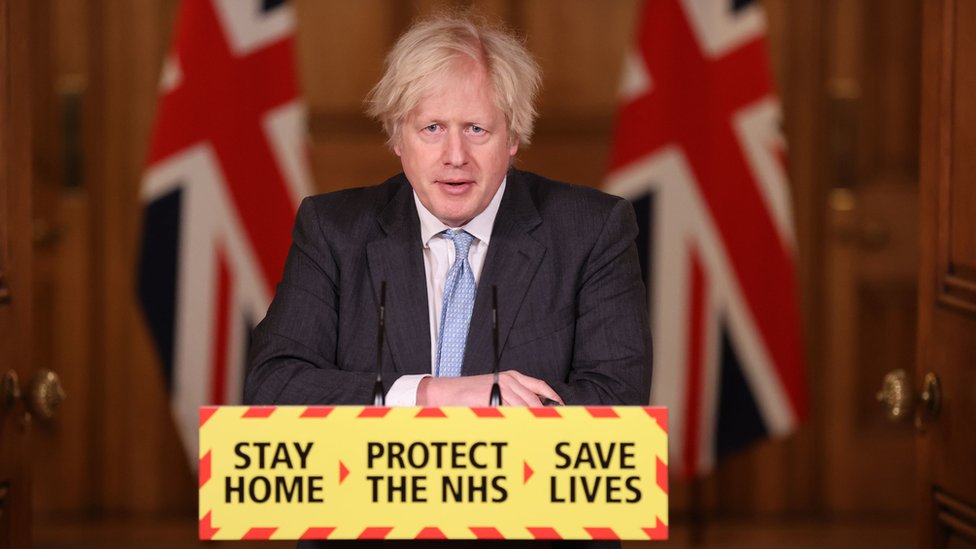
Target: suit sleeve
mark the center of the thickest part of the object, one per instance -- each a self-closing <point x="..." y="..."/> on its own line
<point x="293" y="350"/>
<point x="612" y="358"/>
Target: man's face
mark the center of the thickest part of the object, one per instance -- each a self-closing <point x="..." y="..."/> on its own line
<point x="455" y="146"/>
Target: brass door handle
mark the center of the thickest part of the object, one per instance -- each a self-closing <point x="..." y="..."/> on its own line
<point x="899" y="401"/>
<point x="43" y="397"/>
<point x="46" y="394"/>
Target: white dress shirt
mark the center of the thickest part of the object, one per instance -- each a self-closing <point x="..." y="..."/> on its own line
<point x="438" y="258"/>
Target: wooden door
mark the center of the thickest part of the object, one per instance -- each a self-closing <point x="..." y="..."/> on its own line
<point x="15" y="279"/>
<point x="871" y="246"/>
<point x="946" y="430"/>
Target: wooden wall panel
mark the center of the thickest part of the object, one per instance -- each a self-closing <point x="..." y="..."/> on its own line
<point x="871" y="248"/>
<point x="351" y="161"/>
<point x="62" y="288"/>
<point x="580" y="47"/>
<point x="962" y="139"/>
<point x="65" y="456"/>
<point x="892" y="56"/>
<point x="946" y="478"/>
<point x="137" y="464"/>
<point x="581" y="160"/>
<point x="340" y="49"/>
<point x="16" y="280"/>
<point x="796" y="46"/>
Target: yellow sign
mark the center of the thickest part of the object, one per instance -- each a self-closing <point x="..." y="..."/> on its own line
<point x="356" y="472"/>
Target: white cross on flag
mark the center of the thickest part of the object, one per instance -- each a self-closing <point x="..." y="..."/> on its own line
<point x="227" y="169"/>
<point x="699" y="151"/>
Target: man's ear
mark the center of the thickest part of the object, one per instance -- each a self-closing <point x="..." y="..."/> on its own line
<point x="395" y="139"/>
<point x="513" y="145"/>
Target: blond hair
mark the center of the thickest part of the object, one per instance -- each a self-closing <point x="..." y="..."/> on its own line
<point x="432" y="47"/>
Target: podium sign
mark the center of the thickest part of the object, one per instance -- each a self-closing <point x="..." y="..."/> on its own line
<point x="357" y="472"/>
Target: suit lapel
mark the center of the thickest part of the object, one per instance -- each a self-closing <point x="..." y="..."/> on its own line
<point x="396" y="257"/>
<point x="513" y="258"/>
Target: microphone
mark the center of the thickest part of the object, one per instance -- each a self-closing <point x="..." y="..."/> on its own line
<point x="496" y="393"/>
<point x="379" y="395"/>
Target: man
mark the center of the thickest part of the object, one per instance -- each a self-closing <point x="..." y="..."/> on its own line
<point x="456" y="102"/>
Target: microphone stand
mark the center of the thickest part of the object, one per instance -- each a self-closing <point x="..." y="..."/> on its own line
<point x="379" y="394"/>
<point x="496" y="393"/>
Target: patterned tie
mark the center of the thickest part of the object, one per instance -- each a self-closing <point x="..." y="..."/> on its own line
<point x="459" y="290"/>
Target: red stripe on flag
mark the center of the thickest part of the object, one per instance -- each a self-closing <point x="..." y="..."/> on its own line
<point x="221" y="314"/>
<point x="430" y="532"/>
<point x="226" y="133"/>
<point x="208" y="107"/>
<point x="544" y="533"/>
<point x="375" y="532"/>
<point x="601" y="411"/>
<point x="693" y="106"/>
<point x="486" y="532"/>
<point x="695" y="365"/>
<point x="317" y="411"/>
<point x="206" y="412"/>
<point x="602" y="533"/>
<point x="259" y="411"/>
<point x="259" y="533"/>
<point x="488" y="412"/>
<point x="318" y="533"/>
<point x="681" y="111"/>
<point x="204" y="469"/>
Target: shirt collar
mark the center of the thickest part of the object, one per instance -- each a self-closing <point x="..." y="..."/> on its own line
<point x="479" y="227"/>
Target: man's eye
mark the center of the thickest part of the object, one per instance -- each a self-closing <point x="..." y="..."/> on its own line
<point x="477" y="130"/>
<point x="432" y="128"/>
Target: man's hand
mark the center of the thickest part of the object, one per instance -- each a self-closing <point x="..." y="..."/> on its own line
<point x="517" y="390"/>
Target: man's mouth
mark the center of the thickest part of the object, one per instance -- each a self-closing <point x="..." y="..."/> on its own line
<point x="456" y="187"/>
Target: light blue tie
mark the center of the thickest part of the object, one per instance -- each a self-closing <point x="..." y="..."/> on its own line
<point x="459" y="291"/>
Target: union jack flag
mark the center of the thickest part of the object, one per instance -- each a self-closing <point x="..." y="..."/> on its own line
<point x="226" y="171"/>
<point x="699" y="151"/>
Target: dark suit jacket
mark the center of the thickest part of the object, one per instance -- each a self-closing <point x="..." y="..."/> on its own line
<point x="571" y="305"/>
<point x="572" y="308"/>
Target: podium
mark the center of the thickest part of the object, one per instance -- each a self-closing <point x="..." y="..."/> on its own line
<point x="363" y="472"/>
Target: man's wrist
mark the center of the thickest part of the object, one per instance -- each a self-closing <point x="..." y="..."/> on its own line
<point x="423" y="388"/>
<point x="403" y="392"/>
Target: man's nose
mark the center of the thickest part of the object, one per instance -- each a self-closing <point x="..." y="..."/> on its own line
<point x="455" y="150"/>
